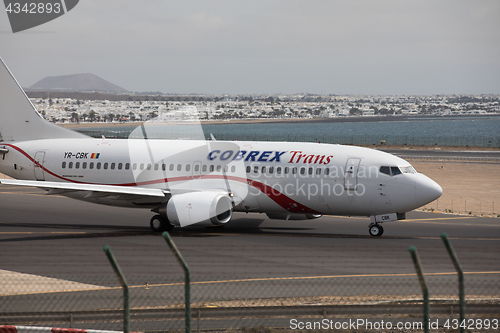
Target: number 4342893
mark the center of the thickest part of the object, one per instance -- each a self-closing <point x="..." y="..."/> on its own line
<point x="472" y="324"/>
<point x="34" y="8"/>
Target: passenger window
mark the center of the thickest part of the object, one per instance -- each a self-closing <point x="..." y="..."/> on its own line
<point x="179" y="167"/>
<point x="105" y="166"/>
<point x="134" y="166"/>
<point x="156" y="166"/>
<point x="204" y="168"/>
<point x="294" y="170"/>
<point x="64" y="165"/>
<point x="84" y="165"/>
<point x="212" y="168"/>
<point x="233" y="168"/>
<point x="149" y="166"/>
<point x="286" y="170"/>
<point x="256" y="169"/>
<point x="127" y="166"/>
<point x="141" y="166"/>
<point x="278" y="170"/>
<point x="91" y="166"/>
<point x="249" y="169"/>
<point x="311" y="171"/>
<point x="226" y="168"/>
<point x="70" y="165"/>
<point x="386" y="170"/>
<point x="395" y="171"/>
<point x="271" y="169"/>
<point x="188" y="167"/>
<point x="263" y="169"/>
<point x="327" y="172"/>
<point x="77" y="165"/>
<point x="197" y="168"/>
<point x="302" y="171"/>
<point x="171" y="167"/>
<point x="98" y="165"/>
<point x="113" y="166"/>
<point x="163" y="167"/>
<point x="318" y="171"/>
<point x="219" y="168"/>
<point x="120" y="166"/>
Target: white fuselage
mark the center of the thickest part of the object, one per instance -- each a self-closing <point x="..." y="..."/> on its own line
<point x="271" y="177"/>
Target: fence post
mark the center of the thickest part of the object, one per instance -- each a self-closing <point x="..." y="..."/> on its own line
<point x="123" y="282"/>
<point x="460" y="272"/>
<point x="425" y="290"/>
<point x="187" y="278"/>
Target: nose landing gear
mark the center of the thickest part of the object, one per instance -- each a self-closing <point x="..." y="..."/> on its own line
<point x="375" y="229"/>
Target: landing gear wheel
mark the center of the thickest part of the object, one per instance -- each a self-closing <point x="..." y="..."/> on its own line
<point x="376" y="230"/>
<point x="158" y="223"/>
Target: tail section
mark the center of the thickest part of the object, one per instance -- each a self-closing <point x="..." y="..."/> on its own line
<point x="19" y="120"/>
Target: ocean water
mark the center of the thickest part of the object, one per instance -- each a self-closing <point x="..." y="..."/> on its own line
<point x="457" y="131"/>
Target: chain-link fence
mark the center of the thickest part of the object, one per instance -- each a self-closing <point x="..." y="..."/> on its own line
<point x="157" y="302"/>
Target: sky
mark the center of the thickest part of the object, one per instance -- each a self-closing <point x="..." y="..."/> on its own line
<point x="382" y="47"/>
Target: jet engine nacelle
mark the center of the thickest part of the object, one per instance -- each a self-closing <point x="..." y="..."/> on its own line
<point x="292" y="216"/>
<point x="206" y="208"/>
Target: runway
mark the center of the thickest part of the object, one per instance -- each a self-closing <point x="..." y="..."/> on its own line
<point x="56" y="243"/>
<point x="52" y="236"/>
<point x="460" y="155"/>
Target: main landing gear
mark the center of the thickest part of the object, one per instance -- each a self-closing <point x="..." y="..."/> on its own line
<point x="375" y="229"/>
<point x="159" y="223"/>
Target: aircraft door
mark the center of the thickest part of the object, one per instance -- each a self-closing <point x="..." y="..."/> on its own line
<point x="39" y="159"/>
<point x="197" y="170"/>
<point x="351" y="174"/>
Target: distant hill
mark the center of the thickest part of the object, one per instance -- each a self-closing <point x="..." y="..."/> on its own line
<point x="76" y="82"/>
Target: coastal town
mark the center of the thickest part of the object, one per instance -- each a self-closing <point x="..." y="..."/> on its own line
<point x="130" y="108"/>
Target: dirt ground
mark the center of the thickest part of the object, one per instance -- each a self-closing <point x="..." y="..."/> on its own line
<point x="468" y="188"/>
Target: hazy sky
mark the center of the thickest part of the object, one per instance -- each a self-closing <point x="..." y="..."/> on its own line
<point x="247" y="47"/>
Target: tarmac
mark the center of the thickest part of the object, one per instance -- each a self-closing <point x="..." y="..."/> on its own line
<point x="53" y="236"/>
<point x="52" y="261"/>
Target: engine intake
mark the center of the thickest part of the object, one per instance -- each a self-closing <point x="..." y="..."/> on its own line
<point x="205" y="208"/>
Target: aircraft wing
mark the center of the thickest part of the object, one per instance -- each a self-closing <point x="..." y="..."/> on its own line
<point x="126" y="193"/>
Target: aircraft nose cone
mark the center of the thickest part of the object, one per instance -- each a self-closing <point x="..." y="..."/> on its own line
<point x="426" y="190"/>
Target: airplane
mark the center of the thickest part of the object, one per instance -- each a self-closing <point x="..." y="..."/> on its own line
<point x="202" y="182"/>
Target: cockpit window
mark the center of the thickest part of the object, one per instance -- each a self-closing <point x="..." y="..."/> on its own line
<point x="394" y="170"/>
<point x="407" y="169"/>
<point x="386" y="170"/>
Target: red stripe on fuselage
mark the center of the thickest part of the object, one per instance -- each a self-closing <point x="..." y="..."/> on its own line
<point x="8" y="329"/>
<point x="67" y="330"/>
